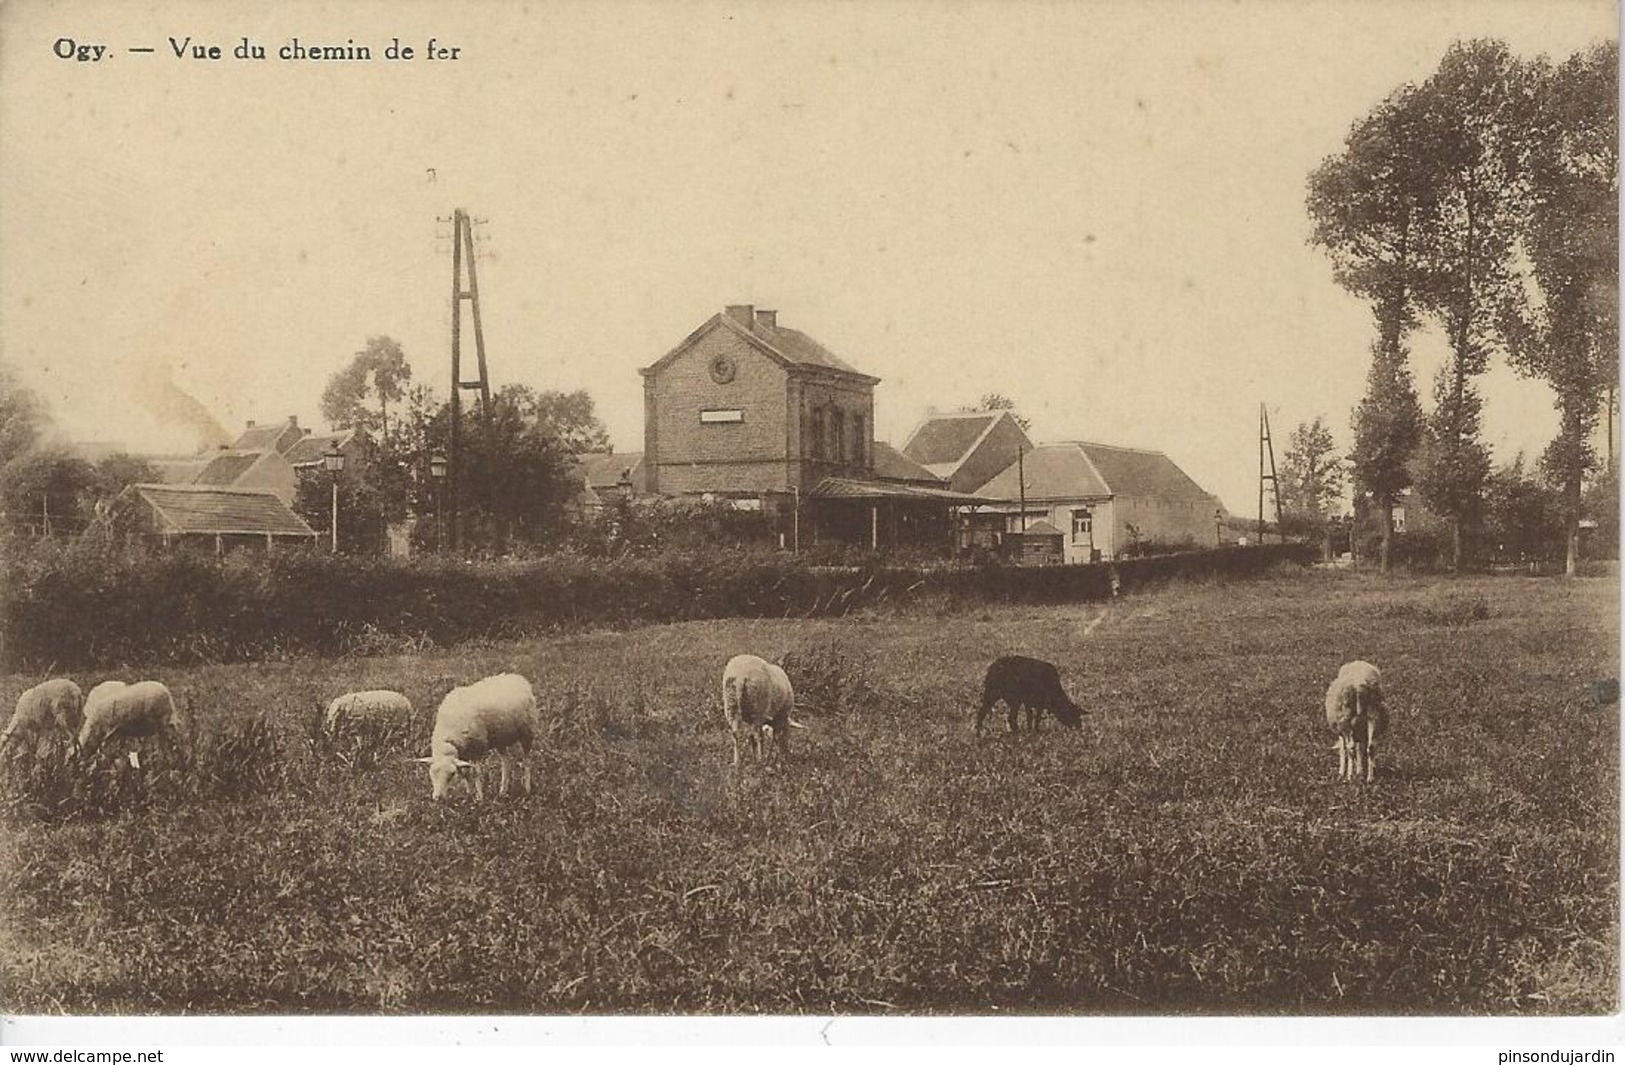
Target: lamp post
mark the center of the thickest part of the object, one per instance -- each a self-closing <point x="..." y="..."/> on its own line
<point x="437" y="470"/>
<point x="333" y="459"/>
<point x="1218" y="526"/>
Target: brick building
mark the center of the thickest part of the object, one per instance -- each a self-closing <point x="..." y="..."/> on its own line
<point x="745" y="407"/>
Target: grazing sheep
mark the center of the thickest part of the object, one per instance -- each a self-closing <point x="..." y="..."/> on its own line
<point x="757" y="694"/>
<point x="132" y="711"/>
<point x="1355" y="711"/>
<point x="56" y="706"/>
<point x="1030" y="684"/>
<point x="490" y="715"/>
<point x="366" y="711"/>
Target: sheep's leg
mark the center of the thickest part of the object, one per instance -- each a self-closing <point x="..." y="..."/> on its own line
<point x="1370" y="751"/>
<point x="1342" y="757"/>
<point x="733" y="738"/>
<point x="479" y="782"/>
<point x="1035" y="718"/>
<point x="1011" y="710"/>
<point x="982" y="711"/>
<point x="502" y="787"/>
<point x="525" y="760"/>
<point x="781" y="734"/>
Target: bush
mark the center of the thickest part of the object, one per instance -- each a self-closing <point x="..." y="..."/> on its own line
<point x="79" y="606"/>
<point x="833" y="675"/>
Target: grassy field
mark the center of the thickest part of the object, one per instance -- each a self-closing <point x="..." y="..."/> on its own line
<point x="1187" y="849"/>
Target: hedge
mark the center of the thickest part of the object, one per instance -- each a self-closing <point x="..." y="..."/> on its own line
<point x="80" y="607"/>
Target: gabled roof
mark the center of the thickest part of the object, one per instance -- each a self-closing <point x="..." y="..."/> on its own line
<point x="273" y="436"/>
<point x="1053" y="471"/>
<point x="194" y="509"/>
<point x="945" y="439"/>
<point x="788" y="347"/>
<point x="892" y="465"/>
<point x="1081" y="470"/>
<point x="943" y="442"/>
<point x="1042" y="528"/>
<point x="309" y="450"/>
<point x="225" y="467"/>
<point x="1144" y="474"/>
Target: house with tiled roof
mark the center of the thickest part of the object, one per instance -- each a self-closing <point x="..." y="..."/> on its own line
<point x="966" y="449"/>
<point x="270" y="436"/>
<point x="309" y="452"/>
<point x="230" y="468"/>
<point x="1104" y="499"/>
<point x="607" y="474"/>
<point x="216" y="517"/>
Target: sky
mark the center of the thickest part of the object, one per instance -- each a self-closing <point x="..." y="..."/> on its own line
<point x="1096" y="209"/>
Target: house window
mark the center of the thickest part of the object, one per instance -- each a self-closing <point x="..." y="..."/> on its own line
<point x="860" y="441"/>
<point x="837" y="426"/>
<point x="721" y="417"/>
<point x="1083" y="526"/>
<point x="817" y="433"/>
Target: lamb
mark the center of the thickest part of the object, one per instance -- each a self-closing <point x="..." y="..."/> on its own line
<point x="1026" y="683"/>
<point x="56" y="706"/>
<point x="757" y="694"/>
<point x="132" y="711"/>
<point x="366" y="711"/>
<point x="1355" y="711"/>
<point x="490" y="715"/>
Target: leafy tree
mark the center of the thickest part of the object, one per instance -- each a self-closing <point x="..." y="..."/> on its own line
<point x="22" y="417"/>
<point x="1566" y="330"/>
<point x="1311" y="477"/>
<point x="47" y="487"/>
<point x="1522" y="519"/>
<point x="570" y="417"/>
<point x="997" y="401"/>
<point x="1478" y="111"/>
<point x="1368" y="206"/>
<point x="117" y="472"/>
<point x="517" y="474"/>
<point x="379" y="369"/>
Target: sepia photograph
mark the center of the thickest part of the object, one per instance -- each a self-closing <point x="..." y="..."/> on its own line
<point x="919" y="510"/>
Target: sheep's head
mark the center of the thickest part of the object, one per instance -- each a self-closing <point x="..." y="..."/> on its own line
<point x="443" y="769"/>
<point x="1069" y="714"/>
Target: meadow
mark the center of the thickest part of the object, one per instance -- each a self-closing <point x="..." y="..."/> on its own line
<point x="1187" y="850"/>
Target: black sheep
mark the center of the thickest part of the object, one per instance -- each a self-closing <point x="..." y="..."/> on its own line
<point x="1028" y="683"/>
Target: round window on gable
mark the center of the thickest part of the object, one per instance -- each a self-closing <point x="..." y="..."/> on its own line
<point x="723" y="369"/>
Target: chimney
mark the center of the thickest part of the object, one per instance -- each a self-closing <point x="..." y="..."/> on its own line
<point x="293" y="420"/>
<point x="767" y="319"/>
<point x="251" y="423"/>
<point x="743" y="313"/>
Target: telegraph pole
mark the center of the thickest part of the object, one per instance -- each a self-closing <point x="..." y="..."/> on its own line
<point x="1266" y="447"/>
<point x="462" y="261"/>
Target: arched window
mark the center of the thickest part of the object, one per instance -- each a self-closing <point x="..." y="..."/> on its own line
<point x="816" y="434"/>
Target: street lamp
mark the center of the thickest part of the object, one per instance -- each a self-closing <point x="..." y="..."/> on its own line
<point x="333" y="459"/>
<point x="1218" y="526"/>
<point x="437" y="470"/>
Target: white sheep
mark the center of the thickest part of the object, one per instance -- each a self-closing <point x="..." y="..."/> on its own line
<point x="757" y="694"/>
<point x="132" y="711"/>
<point x="56" y="706"/>
<point x="491" y="715"/>
<point x="366" y="711"/>
<point x="1355" y="711"/>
